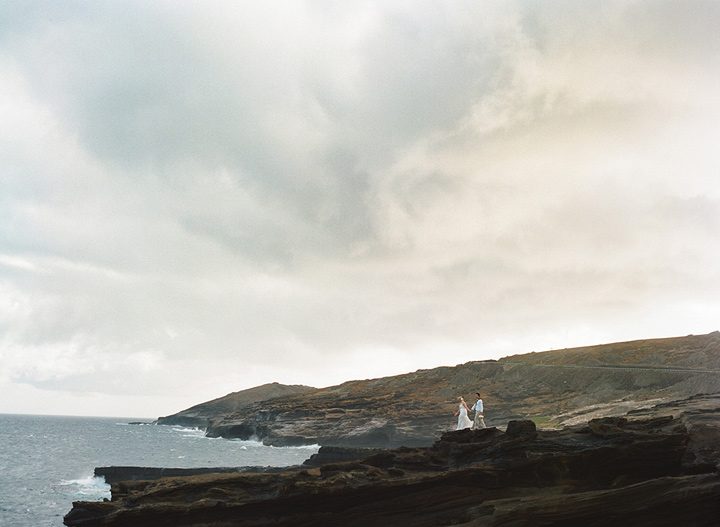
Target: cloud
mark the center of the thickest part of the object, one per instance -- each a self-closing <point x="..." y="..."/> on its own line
<point x="202" y="197"/>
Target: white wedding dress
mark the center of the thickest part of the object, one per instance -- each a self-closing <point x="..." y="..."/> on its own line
<point x="463" y="420"/>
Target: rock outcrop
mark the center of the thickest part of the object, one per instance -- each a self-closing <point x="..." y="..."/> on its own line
<point x="130" y="473"/>
<point x="555" y="388"/>
<point x="659" y="467"/>
<point x="326" y="454"/>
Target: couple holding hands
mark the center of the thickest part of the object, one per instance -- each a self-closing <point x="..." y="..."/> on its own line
<point x="463" y="410"/>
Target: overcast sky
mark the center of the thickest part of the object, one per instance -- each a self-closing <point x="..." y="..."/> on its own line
<point x="202" y="197"/>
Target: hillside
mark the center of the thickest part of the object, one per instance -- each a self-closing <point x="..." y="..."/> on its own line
<point x="693" y="351"/>
<point x="554" y="387"/>
<point x="198" y="415"/>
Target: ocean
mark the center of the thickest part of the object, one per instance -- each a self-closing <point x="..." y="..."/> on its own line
<point x="47" y="462"/>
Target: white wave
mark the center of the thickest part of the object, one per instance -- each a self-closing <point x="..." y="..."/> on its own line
<point x="189" y="432"/>
<point x="90" y="486"/>
<point x="247" y="442"/>
<point x="259" y="444"/>
<point x="298" y="447"/>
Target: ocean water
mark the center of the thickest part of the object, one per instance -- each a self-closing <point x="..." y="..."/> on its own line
<point x="47" y="462"/>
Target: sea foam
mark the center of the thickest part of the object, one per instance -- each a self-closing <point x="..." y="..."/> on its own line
<point x="90" y="486"/>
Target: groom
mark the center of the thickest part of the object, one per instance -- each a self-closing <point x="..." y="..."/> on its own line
<point x="479" y="418"/>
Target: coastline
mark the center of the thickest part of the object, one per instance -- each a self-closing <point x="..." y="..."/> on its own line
<point x="658" y="466"/>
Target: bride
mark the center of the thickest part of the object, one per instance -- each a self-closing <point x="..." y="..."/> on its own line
<point x="462" y="413"/>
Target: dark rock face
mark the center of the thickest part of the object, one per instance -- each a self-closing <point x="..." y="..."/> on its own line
<point x="117" y="474"/>
<point x="330" y="454"/>
<point x="364" y="422"/>
<point x="325" y="455"/>
<point x="661" y="468"/>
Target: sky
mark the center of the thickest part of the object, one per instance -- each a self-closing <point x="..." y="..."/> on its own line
<point x="201" y="197"/>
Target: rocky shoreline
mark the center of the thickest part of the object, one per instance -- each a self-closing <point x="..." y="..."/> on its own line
<point x="657" y="466"/>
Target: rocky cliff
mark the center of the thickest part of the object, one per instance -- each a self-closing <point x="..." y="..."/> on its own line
<point x="197" y="416"/>
<point x="658" y="466"/>
<point x="554" y="388"/>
